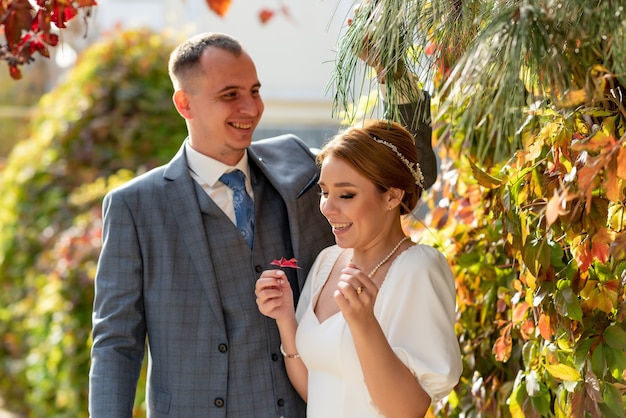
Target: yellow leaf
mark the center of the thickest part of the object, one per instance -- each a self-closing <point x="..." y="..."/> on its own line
<point x="572" y="98"/>
<point x="563" y="372"/>
<point x="483" y="178"/>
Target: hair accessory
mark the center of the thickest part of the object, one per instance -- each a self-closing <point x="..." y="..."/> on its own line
<point x="414" y="168"/>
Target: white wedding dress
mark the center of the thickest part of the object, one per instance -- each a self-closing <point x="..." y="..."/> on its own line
<point x="416" y="310"/>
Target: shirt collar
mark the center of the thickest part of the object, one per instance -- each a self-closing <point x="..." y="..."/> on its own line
<point x="209" y="169"/>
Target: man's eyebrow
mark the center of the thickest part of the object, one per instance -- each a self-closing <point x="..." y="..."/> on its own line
<point x="235" y="87"/>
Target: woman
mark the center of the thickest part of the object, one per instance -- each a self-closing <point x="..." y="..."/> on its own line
<point x="373" y="334"/>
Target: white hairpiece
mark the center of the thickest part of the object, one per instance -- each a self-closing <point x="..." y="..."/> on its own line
<point x="414" y="168"/>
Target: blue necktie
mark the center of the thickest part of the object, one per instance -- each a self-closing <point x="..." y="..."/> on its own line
<point x="244" y="206"/>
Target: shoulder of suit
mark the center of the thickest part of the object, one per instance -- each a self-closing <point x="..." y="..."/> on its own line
<point x="279" y="147"/>
<point x="142" y="181"/>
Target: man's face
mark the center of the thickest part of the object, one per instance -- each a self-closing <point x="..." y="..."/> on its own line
<point x="224" y="105"/>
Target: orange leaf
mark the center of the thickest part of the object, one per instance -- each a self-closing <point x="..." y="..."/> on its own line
<point x="86" y="3"/>
<point x="545" y="328"/>
<point x="613" y="188"/>
<point x="587" y="176"/>
<point x="265" y="15"/>
<point x="503" y="345"/>
<point x="598" y="141"/>
<point x="556" y="206"/>
<point x="527" y="329"/>
<point x="600" y="244"/>
<point x="519" y="313"/>
<point x="220" y="7"/>
<point x="582" y="253"/>
<point x="621" y="163"/>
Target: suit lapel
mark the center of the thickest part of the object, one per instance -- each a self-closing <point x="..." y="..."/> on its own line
<point x="181" y="193"/>
<point x="297" y="191"/>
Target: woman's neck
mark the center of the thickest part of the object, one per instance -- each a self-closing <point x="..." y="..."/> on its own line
<point x="371" y="259"/>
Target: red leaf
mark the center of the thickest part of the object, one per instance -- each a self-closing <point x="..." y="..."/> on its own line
<point x="220" y="7"/>
<point x="63" y="13"/>
<point x="15" y="72"/>
<point x="265" y="15"/>
<point x="19" y="19"/>
<point x="283" y="262"/>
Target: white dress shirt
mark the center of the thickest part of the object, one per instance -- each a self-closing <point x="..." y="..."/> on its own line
<point x="207" y="171"/>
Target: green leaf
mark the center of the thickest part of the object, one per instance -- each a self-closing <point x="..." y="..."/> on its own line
<point x="581" y="352"/>
<point x="598" y="362"/>
<point x="536" y="255"/>
<point x="541" y="402"/>
<point x="613" y="399"/>
<point x="615" y="337"/>
<point x="568" y="305"/>
<point x="615" y="361"/>
<point x="516" y="400"/>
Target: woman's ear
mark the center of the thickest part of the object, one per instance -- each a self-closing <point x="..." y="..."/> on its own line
<point x="394" y="197"/>
<point x="181" y="102"/>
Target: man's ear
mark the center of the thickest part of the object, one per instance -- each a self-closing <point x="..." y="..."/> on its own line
<point x="181" y="101"/>
<point x="394" y="197"/>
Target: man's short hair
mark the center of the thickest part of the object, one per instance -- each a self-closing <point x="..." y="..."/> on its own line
<point x="185" y="58"/>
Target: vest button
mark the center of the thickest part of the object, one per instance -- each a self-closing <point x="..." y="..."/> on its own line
<point x="274" y="356"/>
<point x="219" y="402"/>
<point x="258" y="269"/>
<point x="223" y="348"/>
<point x="281" y="402"/>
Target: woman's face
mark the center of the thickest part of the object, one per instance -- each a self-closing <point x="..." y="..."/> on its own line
<point x="352" y="204"/>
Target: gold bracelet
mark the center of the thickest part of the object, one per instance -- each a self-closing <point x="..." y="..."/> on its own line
<point x="282" y="351"/>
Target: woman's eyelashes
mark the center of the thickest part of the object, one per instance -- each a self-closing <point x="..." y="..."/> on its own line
<point x="323" y="193"/>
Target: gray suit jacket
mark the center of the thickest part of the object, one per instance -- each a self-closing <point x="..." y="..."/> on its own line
<point x="174" y="272"/>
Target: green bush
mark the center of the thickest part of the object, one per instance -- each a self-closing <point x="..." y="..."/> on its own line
<point x="110" y="119"/>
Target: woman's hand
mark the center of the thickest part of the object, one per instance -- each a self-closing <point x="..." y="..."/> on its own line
<point x="274" y="296"/>
<point x="356" y="294"/>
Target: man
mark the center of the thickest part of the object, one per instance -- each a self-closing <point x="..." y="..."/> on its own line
<point x="174" y="267"/>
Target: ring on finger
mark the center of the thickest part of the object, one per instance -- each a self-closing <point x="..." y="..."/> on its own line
<point x="359" y="290"/>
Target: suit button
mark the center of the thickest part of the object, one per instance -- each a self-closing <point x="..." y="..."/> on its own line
<point x="223" y="348"/>
<point x="274" y="356"/>
<point x="258" y="269"/>
<point x="281" y="402"/>
<point x="219" y="402"/>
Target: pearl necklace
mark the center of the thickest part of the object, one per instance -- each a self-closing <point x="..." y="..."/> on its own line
<point x="384" y="260"/>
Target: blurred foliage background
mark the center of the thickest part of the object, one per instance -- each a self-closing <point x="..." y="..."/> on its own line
<point x="111" y="119"/>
